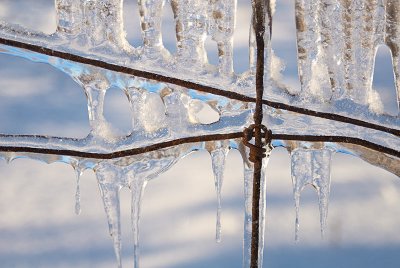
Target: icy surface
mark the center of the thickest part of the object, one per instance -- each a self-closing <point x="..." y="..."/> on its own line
<point x="337" y="43"/>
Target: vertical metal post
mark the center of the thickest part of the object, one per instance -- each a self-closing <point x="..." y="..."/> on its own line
<point x="259" y="8"/>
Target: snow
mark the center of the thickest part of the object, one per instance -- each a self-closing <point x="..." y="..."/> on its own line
<point x="163" y="112"/>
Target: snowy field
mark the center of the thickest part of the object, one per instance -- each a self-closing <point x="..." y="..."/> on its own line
<point x="38" y="226"/>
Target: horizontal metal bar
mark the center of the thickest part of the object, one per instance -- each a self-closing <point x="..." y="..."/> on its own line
<point x="234" y="135"/>
<point x="123" y="153"/>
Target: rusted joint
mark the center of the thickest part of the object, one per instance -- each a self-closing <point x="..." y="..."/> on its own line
<point x="257" y="153"/>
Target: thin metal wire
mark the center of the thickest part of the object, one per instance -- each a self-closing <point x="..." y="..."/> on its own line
<point x="154" y="147"/>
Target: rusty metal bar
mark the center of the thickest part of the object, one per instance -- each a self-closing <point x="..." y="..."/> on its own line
<point x="154" y="147"/>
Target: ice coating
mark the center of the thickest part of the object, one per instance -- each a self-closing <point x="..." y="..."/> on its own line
<point x="337" y="40"/>
<point x="343" y="36"/>
<point x="218" y="151"/>
<point x="311" y="167"/>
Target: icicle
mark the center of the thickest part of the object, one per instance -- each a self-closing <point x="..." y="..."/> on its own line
<point x="363" y="23"/>
<point x="191" y="27"/>
<point x="371" y="35"/>
<point x="322" y="182"/>
<point x="177" y="114"/>
<point x="393" y="38"/>
<point x="262" y="217"/>
<point x="95" y="107"/>
<point x="137" y="186"/>
<point x="268" y="52"/>
<point x="104" y="23"/>
<point x="248" y="169"/>
<point x="69" y="16"/>
<point x="136" y="102"/>
<point x="148" y="110"/>
<point x="252" y="49"/>
<point x="95" y="88"/>
<point x="110" y="182"/>
<point x="248" y="197"/>
<point x="307" y="35"/>
<point x="311" y="166"/>
<point x="330" y="51"/>
<point x="151" y="17"/>
<point x="78" y="173"/>
<point x="222" y="24"/>
<point x="218" y="151"/>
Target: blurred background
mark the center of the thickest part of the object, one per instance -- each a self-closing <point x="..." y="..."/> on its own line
<point x="38" y="226"/>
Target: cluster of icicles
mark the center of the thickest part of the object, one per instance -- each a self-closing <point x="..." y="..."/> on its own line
<point x="337" y="40"/>
<point x="309" y="166"/>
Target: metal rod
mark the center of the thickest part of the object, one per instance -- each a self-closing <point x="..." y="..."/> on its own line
<point x="154" y="147"/>
<point x="259" y="30"/>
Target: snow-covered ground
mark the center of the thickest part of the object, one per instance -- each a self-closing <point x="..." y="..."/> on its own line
<point x="38" y="227"/>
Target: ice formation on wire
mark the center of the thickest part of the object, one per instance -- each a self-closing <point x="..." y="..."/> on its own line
<point x="337" y="42"/>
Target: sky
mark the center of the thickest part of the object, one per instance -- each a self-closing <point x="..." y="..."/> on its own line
<point x="39" y="228"/>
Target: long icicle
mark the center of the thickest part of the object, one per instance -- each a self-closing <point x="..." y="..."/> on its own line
<point x="109" y="180"/>
<point x="137" y="187"/>
<point x="311" y="166"/>
<point x="301" y="175"/>
<point x="263" y="203"/>
<point x="218" y="151"/>
<point x="78" y="173"/>
<point x="248" y="218"/>
<point x="321" y="164"/>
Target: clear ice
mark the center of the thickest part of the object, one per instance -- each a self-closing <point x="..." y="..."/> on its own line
<point x="78" y="173"/>
<point x="218" y="151"/>
<point x="311" y="167"/>
<point x="336" y="40"/>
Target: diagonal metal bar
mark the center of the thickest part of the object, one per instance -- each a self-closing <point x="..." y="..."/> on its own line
<point x="193" y="85"/>
<point x="330" y="116"/>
